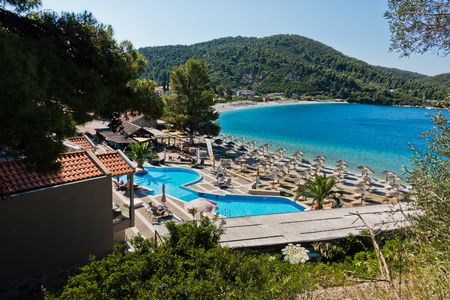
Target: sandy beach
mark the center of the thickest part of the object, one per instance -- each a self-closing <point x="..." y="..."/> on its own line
<point x="252" y="104"/>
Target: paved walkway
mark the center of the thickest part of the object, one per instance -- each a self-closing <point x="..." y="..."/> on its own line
<point x="310" y="226"/>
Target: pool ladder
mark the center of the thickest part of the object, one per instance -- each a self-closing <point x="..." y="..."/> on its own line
<point x="226" y="213"/>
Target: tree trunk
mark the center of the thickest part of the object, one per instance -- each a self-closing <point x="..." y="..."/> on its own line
<point x="191" y="139"/>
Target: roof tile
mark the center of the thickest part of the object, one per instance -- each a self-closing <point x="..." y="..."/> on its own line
<point x="81" y="141"/>
<point x="115" y="164"/>
<point x="78" y="163"/>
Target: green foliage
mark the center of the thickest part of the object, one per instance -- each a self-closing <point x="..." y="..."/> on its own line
<point x="187" y="236"/>
<point x="190" y="109"/>
<point x="203" y="271"/>
<point x="293" y="64"/>
<point x="319" y="189"/>
<point x="141" y="153"/>
<point x="418" y="26"/>
<point x="431" y="181"/>
<point x="58" y="71"/>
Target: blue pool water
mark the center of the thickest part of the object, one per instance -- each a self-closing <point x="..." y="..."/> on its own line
<point x="375" y="136"/>
<point x="229" y="205"/>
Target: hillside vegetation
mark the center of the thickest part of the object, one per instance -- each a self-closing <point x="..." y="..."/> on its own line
<point x="296" y="65"/>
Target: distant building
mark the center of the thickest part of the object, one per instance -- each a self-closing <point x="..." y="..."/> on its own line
<point x="276" y="95"/>
<point x="244" y="93"/>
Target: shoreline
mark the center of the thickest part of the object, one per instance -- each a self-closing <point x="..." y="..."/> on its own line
<point x="252" y="104"/>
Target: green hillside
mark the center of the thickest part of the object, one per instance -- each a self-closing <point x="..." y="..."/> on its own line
<point x="294" y="65"/>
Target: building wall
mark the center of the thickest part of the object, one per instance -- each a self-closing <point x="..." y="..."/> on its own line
<point x="56" y="226"/>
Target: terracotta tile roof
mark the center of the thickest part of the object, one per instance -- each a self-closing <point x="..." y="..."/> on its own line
<point x="75" y="166"/>
<point x="81" y="141"/>
<point x="115" y="164"/>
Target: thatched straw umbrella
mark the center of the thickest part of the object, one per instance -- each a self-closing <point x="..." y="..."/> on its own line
<point x="394" y="177"/>
<point x="272" y="177"/>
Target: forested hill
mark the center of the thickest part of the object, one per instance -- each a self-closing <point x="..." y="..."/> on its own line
<point x="294" y="65"/>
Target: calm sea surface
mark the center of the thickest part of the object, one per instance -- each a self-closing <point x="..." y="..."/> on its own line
<point x="375" y="136"/>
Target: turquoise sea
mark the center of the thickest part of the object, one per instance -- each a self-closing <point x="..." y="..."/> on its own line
<point x="375" y="136"/>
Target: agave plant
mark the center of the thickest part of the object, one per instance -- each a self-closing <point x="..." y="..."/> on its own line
<point x="141" y="153"/>
<point x="319" y="189"/>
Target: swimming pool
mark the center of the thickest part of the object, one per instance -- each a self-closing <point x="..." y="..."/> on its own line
<point x="230" y="205"/>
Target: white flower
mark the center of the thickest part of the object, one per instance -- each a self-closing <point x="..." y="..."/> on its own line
<point x="295" y="254"/>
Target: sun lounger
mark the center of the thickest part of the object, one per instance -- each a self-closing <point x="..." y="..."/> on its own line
<point x="226" y="184"/>
<point x="153" y="211"/>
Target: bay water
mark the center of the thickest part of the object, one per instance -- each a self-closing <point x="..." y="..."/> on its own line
<point x="375" y="136"/>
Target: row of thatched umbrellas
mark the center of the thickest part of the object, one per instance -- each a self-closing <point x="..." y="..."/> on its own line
<point x="314" y="168"/>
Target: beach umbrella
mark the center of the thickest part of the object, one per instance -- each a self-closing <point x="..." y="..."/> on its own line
<point x="394" y="194"/>
<point x="387" y="172"/>
<point x="370" y="179"/>
<point x="337" y="170"/>
<point x="341" y="161"/>
<point x="298" y="155"/>
<point x="284" y="168"/>
<point x="341" y="165"/>
<point x="394" y="177"/>
<point x="254" y="143"/>
<point x="299" y="181"/>
<point x="272" y="177"/>
<point x="319" y="160"/>
<point x="163" y="197"/>
<point x="295" y="162"/>
<point x="231" y="152"/>
<point x="241" y="160"/>
<point x="267" y="146"/>
<point x="320" y="156"/>
<point x="305" y="174"/>
<point x="201" y="204"/>
<point x="265" y="163"/>
<point x="409" y="178"/>
<point x="257" y="166"/>
<point x="362" y="192"/>
<point x="242" y="138"/>
<point x="363" y="185"/>
<point x="367" y="171"/>
<point x="336" y="189"/>
<point x="397" y="186"/>
<point x="231" y="144"/>
<point x="231" y="137"/>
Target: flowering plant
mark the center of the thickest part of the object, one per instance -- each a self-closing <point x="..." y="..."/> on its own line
<point x="295" y="254"/>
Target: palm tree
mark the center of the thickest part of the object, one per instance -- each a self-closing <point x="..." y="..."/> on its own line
<point x="141" y="153"/>
<point x="319" y="189"/>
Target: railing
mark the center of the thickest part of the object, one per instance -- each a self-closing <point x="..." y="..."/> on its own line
<point x="158" y="238"/>
<point x="226" y="213"/>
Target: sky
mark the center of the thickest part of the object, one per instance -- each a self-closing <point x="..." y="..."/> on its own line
<point x="357" y="28"/>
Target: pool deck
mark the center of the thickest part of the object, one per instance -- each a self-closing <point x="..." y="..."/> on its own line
<point x="274" y="229"/>
<point x="311" y="226"/>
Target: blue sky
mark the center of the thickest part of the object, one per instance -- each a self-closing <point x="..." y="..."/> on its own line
<point x="356" y="28"/>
